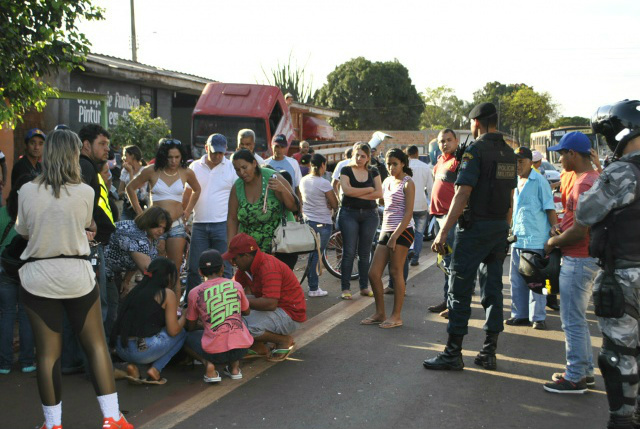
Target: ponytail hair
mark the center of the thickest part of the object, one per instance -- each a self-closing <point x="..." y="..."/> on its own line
<point x="403" y="158"/>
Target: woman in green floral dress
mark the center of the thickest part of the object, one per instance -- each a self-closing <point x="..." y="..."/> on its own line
<point x="247" y="210"/>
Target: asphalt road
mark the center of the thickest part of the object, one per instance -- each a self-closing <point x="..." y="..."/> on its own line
<point x="345" y="375"/>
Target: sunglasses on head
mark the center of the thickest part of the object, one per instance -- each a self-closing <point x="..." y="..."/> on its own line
<point x="172" y="141"/>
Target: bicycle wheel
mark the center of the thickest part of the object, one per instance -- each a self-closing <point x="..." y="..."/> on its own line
<point x="332" y="257"/>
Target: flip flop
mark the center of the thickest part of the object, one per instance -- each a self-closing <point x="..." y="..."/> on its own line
<point x="281" y="354"/>
<point x="228" y="373"/>
<point x="216" y="379"/>
<point x="346" y="295"/>
<point x="389" y="325"/>
<point x="133" y="380"/>
<point x="251" y="354"/>
<point x="370" y="321"/>
<point x="153" y="382"/>
<point x="369" y="294"/>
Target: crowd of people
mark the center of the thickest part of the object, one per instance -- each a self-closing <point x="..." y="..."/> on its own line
<point x="69" y="256"/>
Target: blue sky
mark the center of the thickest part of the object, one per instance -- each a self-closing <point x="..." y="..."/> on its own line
<point x="584" y="53"/>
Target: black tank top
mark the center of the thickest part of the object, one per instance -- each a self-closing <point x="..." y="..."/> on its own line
<point x="140" y="315"/>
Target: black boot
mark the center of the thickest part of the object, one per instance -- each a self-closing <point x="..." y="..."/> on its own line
<point x="450" y="358"/>
<point x="487" y="356"/>
<point x="620" y="422"/>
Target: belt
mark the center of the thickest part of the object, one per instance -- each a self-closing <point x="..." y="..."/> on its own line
<point x="177" y="222"/>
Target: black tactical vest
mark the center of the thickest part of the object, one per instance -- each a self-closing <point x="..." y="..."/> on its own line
<point x="491" y="197"/>
<point x="619" y="232"/>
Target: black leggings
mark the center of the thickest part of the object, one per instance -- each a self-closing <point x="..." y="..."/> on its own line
<point x="45" y="315"/>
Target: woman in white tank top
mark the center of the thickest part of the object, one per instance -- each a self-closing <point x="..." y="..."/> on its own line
<point x="166" y="179"/>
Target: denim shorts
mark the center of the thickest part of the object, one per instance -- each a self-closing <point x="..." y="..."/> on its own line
<point x="177" y="230"/>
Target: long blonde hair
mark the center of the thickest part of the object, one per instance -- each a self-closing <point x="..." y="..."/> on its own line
<point x="60" y="161"/>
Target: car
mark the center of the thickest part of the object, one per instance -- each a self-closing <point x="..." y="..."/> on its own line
<point x="550" y="172"/>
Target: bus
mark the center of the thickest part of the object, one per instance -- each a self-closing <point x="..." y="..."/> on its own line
<point x="542" y="140"/>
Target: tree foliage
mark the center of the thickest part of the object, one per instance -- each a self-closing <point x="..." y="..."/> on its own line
<point x="292" y="80"/>
<point x="521" y="109"/>
<point x="444" y="110"/>
<point x="140" y="129"/>
<point x="565" y="121"/>
<point x="372" y="95"/>
<point x="37" y="38"/>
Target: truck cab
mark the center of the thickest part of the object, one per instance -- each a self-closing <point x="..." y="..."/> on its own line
<point x="226" y="108"/>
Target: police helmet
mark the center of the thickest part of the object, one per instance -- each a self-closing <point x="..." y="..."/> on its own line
<point x="618" y="123"/>
<point x="541" y="272"/>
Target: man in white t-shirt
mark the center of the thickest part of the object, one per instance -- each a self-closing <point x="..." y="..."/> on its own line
<point x="216" y="176"/>
<point x="247" y="140"/>
<point x="423" y="179"/>
<point x="335" y="177"/>
<point x="281" y="162"/>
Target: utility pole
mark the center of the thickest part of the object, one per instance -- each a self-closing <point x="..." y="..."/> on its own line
<point x="134" y="47"/>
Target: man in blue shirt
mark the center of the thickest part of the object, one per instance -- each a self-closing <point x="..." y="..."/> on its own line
<point x="533" y="216"/>
<point x="281" y="162"/>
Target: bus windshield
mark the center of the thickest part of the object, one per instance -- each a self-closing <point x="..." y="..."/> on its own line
<point x="204" y="126"/>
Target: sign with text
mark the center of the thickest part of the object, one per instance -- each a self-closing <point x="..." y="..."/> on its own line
<point x="122" y="97"/>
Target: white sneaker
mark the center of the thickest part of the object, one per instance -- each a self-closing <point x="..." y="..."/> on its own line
<point x="319" y="292"/>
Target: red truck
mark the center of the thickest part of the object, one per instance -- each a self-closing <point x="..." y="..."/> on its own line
<point x="226" y="108"/>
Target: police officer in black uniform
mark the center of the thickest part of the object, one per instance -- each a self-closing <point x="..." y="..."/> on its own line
<point x="481" y="205"/>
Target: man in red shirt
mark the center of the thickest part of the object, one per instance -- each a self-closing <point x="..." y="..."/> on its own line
<point x="577" y="271"/>
<point x="445" y="173"/>
<point x="275" y="297"/>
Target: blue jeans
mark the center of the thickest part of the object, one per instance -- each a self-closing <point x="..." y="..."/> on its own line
<point x="447" y="259"/>
<point x="525" y="304"/>
<point x="420" y="219"/>
<point x="205" y="236"/>
<point x="576" y="284"/>
<point x="10" y="309"/>
<point x="358" y="229"/>
<point x="324" y="231"/>
<point x="160" y="348"/>
<point x="477" y="251"/>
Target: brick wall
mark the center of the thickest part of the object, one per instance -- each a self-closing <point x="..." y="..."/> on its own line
<point x="400" y="139"/>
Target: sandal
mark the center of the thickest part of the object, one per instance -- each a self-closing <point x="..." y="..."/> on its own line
<point x="216" y="379"/>
<point x="252" y="354"/>
<point x="227" y="372"/>
<point x="158" y="382"/>
<point x="279" y="355"/>
<point x="370" y="321"/>
<point x="366" y="292"/>
<point x="389" y="325"/>
<point x="346" y="295"/>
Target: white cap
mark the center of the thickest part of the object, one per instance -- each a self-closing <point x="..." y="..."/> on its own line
<point x="537" y="156"/>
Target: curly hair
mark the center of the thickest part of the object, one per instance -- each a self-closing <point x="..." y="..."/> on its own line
<point x="402" y="157"/>
<point x="162" y="154"/>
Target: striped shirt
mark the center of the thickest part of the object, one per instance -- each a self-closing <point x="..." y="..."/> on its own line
<point x="394" y="204"/>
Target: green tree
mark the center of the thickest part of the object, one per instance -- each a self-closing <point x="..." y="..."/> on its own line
<point x="372" y="95"/>
<point x="565" y="121"/>
<point x="38" y="37"/>
<point x="443" y="109"/>
<point x="140" y="129"/>
<point x="526" y="110"/>
<point x="292" y="80"/>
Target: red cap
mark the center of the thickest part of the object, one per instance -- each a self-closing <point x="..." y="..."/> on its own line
<point x="241" y="243"/>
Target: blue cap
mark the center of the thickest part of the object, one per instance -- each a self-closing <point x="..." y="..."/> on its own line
<point x="34" y="132"/>
<point x="575" y="141"/>
<point x="280" y="140"/>
<point x="217" y="142"/>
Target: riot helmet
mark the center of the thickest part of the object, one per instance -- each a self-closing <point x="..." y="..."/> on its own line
<point x="618" y="123"/>
<point x="540" y="272"/>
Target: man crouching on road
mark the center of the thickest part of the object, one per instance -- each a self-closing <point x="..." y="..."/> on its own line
<point x="275" y="298"/>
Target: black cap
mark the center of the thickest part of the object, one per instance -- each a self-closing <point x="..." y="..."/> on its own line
<point x="483" y="110"/>
<point x="280" y="140"/>
<point x="524" y="152"/>
<point x="210" y="259"/>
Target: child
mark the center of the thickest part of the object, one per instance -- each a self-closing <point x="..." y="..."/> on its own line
<point x="396" y="237"/>
<point x="218" y="304"/>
